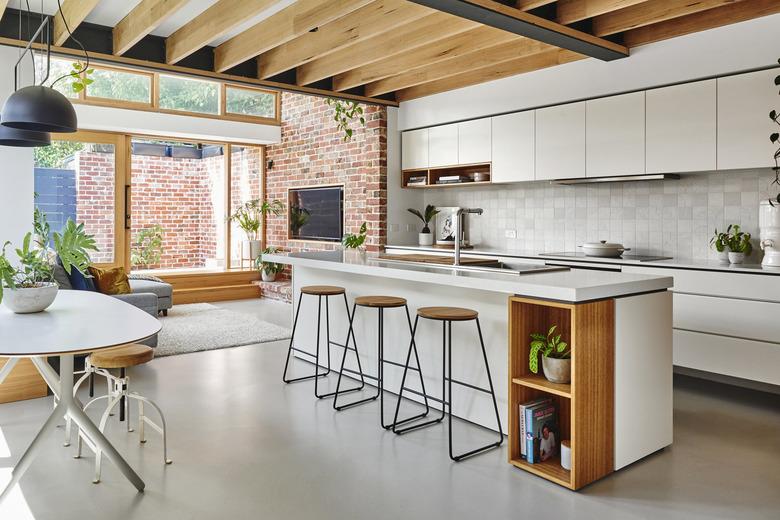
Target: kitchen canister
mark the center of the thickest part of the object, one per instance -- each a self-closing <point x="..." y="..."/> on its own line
<point x="566" y="455"/>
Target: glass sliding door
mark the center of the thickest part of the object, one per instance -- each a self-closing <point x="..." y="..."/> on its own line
<point x="178" y="205"/>
<point x="81" y="177"/>
<point x="246" y="185"/>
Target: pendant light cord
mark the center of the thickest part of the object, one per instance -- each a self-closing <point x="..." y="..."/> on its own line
<point x="86" y="54"/>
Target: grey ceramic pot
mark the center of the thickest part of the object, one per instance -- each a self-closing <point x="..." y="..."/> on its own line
<point x="557" y="370"/>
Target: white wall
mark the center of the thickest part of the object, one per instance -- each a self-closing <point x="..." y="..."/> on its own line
<point x="734" y="48"/>
<point x="402" y="226"/>
<point x="16" y="166"/>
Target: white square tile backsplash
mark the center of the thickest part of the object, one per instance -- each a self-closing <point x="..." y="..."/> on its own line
<point x="673" y="217"/>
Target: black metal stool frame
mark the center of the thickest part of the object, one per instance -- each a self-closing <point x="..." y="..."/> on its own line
<point x="446" y="388"/>
<point x="317" y="375"/>
<point x="380" y="379"/>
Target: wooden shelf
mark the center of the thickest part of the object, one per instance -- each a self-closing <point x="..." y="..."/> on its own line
<point x="470" y="172"/>
<point x="541" y="383"/>
<point x="550" y="469"/>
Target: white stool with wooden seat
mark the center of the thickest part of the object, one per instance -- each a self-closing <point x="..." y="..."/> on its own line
<point x="121" y="358"/>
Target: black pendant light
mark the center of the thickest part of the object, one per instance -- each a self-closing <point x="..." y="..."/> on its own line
<point x="23" y="138"/>
<point x="40" y="109"/>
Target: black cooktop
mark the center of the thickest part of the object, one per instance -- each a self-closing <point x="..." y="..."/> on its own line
<point x="579" y="255"/>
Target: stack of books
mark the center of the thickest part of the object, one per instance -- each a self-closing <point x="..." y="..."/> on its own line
<point x="417" y="180"/>
<point x="453" y="179"/>
<point x="539" y="434"/>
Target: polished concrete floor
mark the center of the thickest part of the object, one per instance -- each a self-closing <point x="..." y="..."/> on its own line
<point x="246" y="446"/>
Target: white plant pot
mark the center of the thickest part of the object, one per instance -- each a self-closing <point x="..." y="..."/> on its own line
<point x="251" y="249"/>
<point x="736" y="258"/>
<point x="268" y="277"/>
<point x="557" y="370"/>
<point x="30" y="300"/>
<point x="425" y="239"/>
<point x="769" y="224"/>
<point x="723" y="256"/>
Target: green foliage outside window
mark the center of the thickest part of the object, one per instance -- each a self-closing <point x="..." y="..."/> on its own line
<point x="57" y="154"/>
<point x="190" y="95"/>
<point x="147" y="248"/>
<point x="250" y="102"/>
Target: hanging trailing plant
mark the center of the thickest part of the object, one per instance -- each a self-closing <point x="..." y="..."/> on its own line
<point x="345" y="113"/>
<point x="774" y="115"/>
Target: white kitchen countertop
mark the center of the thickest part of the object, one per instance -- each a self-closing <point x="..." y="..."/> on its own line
<point x="673" y="263"/>
<point x="575" y="285"/>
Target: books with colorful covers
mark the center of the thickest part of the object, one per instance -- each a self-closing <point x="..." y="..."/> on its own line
<point x="521" y="421"/>
<point x="541" y="424"/>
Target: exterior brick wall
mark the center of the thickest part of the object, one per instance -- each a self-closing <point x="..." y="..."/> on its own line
<point x="95" y="200"/>
<point x="313" y="153"/>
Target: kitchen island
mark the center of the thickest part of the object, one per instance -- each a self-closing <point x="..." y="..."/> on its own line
<point x="618" y="406"/>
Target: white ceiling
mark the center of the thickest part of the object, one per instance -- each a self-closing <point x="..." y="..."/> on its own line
<point x="110" y="12"/>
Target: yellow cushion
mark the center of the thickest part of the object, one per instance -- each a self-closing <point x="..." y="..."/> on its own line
<point x="112" y="280"/>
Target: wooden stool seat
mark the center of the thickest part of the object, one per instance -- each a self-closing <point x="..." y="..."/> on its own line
<point x="122" y="357"/>
<point x="447" y="313"/>
<point x="323" y="290"/>
<point x="384" y="302"/>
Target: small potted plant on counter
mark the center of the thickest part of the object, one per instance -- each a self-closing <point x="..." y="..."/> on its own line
<point x="356" y="241"/>
<point x="739" y="244"/>
<point x="269" y="270"/>
<point x="556" y="356"/>
<point x="29" y="285"/>
<point x="249" y="217"/>
<point x="425" y="237"/>
<point x="719" y="242"/>
<point x="769" y="211"/>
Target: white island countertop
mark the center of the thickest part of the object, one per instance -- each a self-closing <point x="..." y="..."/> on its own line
<point x="575" y="285"/>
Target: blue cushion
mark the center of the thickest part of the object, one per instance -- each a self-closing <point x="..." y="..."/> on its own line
<point x="78" y="281"/>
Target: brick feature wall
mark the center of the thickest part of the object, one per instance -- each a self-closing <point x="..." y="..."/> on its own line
<point x="313" y="153"/>
<point x="95" y="200"/>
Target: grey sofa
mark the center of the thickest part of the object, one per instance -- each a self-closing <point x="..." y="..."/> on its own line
<point x="163" y="291"/>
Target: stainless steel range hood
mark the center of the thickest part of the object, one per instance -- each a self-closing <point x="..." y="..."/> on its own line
<point x="624" y="178"/>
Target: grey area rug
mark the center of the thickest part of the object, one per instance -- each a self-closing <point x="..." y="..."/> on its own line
<point x="201" y="326"/>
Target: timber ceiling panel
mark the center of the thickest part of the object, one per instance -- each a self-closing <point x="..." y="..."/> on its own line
<point x="380" y="50"/>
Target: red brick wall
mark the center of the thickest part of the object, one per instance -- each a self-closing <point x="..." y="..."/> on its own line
<point x="312" y="152"/>
<point x="95" y="200"/>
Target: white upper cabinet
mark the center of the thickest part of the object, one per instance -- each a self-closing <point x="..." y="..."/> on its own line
<point x="560" y="142"/>
<point x="681" y="128"/>
<point x="744" y="102"/>
<point x="414" y="149"/>
<point x="443" y="145"/>
<point x="474" y="141"/>
<point x="513" y="147"/>
<point x="615" y="135"/>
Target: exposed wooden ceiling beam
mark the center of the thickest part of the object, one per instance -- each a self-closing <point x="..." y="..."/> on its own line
<point x="494" y="55"/>
<point x="211" y="24"/>
<point x="376" y="18"/>
<point x="281" y="28"/>
<point x="142" y="20"/>
<point x="514" y="20"/>
<point x="526" y="5"/>
<point x="542" y="60"/>
<point x="570" y="11"/>
<point x="3" y="5"/>
<point x="651" y="12"/>
<point x="463" y="43"/>
<point x="431" y="28"/>
<point x="74" y="11"/>
<point x="710" y="19"/>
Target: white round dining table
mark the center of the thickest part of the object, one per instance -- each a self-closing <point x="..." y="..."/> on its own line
<point x="78" y="322"/>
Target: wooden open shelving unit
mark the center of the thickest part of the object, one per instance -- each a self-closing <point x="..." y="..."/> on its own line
<point x="586" y="405"/>
<point x="432" y="175"/>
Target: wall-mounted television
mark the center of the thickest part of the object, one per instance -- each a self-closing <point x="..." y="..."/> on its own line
<point x="316" y="213"/>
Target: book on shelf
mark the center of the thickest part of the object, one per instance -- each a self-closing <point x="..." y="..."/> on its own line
<point x="463" y="180"/>
<point x="417" y="180"/>
<point x="541" y="424"/>
<point x="521" y="421"/>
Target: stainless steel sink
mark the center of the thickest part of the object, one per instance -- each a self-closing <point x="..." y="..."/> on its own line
<point x="499" y="267"/>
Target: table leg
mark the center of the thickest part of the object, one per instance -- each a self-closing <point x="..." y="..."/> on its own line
<point x="48" y="374"/>
<point x="68" y="405"/>
<point x="9" y="365"/>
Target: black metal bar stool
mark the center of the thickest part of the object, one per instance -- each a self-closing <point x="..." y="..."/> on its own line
<point x="321" y="291"/>
<point x="447" y="315"/>
<point x="380" y="303"/>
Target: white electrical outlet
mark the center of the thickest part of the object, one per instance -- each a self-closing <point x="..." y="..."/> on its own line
<point x="510" y="233"/>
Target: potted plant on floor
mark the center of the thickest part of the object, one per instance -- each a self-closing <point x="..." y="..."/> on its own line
<point x="269" y="270"/>
<point x="29" y="286"/>
<point x="556" y="356"/>
<point x="425" y="237"/>
<point x="719" y="243"/>
<point x="249" y="217"/>
<point x="769" y="211"/>
<point x="739" y="244"/>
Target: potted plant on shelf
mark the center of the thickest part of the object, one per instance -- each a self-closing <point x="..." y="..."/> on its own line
<point x="29" y="286"/>
<point x="356" y="241"/>
<point x="719" y="242"/>
<point x="769" y="211"/>
<point x="739" y="244"/>
<point x="249" y="217"/>
<point x="556" y="356"/>
<point x="425" y="237"/>
<point x="269" y="270"/>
